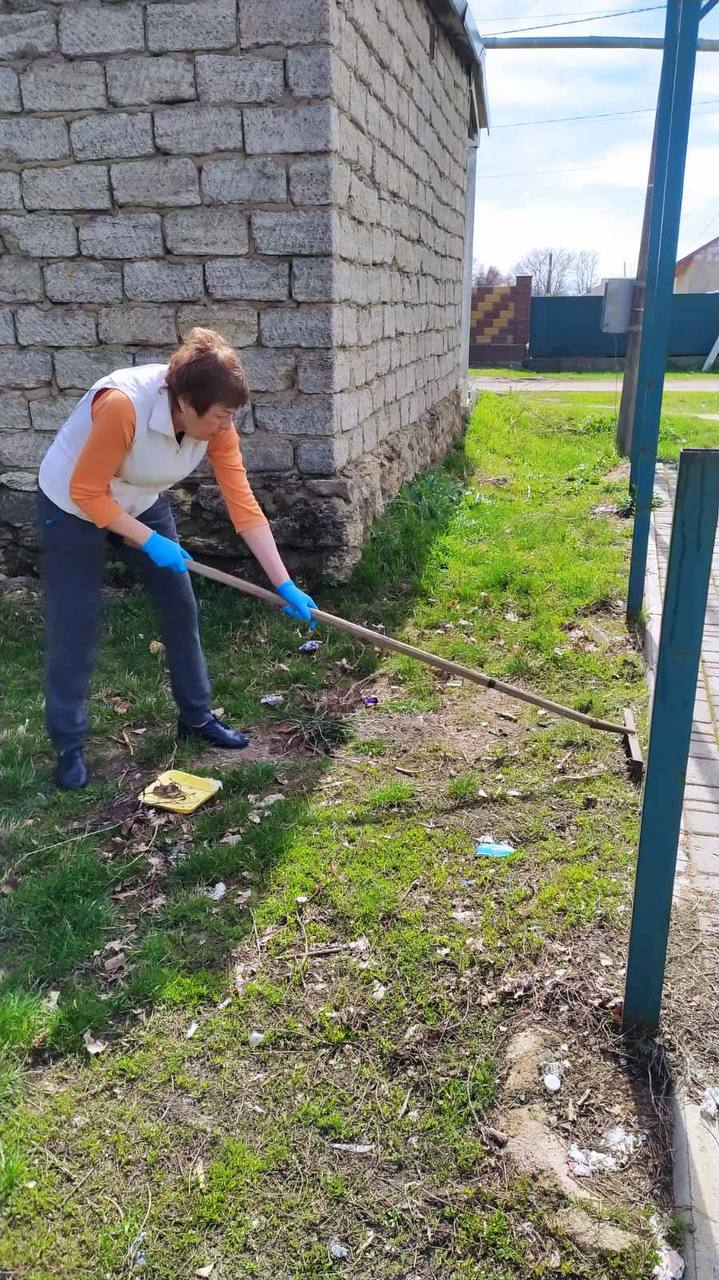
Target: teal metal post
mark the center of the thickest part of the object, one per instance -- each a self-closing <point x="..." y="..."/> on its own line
<point x="685" y="601"/>
<point x="672" y="133"/>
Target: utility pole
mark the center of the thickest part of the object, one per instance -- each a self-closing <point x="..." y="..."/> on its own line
<point x="549" y="274"/>
<point x="627" y="407"/>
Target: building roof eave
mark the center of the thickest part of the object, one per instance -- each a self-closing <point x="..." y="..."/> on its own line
<point x="457" y="19"/>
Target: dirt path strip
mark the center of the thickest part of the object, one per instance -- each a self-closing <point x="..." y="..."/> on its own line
<point x="530" y="385"/>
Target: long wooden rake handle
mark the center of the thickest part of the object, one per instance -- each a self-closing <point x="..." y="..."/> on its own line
<point x="398" y="646"/>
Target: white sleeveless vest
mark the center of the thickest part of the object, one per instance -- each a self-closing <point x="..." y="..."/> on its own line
<point x="155" y="460"/>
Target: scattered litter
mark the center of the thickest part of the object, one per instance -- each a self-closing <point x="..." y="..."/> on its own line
<point x="157" y="902"/>
<point x="360" y="944"/>
<point x="113" y="963"/>
<point x="272" y="700"/>
<point x="255" y="1039"/>
<point x="370" y="700"/>
<point x="710" y="1104"/>
<point x="49" y="1004"/>
<point x="353" y="1148"/>
<point x="583" y="1162"/>
<point x="156" y="646"/>
<point x="338" y="1251"/>
<point x="552" y="1082"/>
<point x="622" y="1143"/>
<point x="269" y="801"/>
<point x="243" y="897"/>
<point x="92" y="1045"/>
<point x="205" y="1272"/>
<point x="670" y="1266"/>
<point x="507" y="715"/>
<point x="191" y="1030"/>
<point x="80" y="1121"/>
<point x="9" y="884"/>
<point x="232" y="837"/>
<point x="379" y="991"/>
<point x="301" y="899"/>
<point x="310" y="646"/>
<point x="179" y="792"/>
<point x="219" y="891"/>
<point x="511" y="617"/>
<point x="488" y="849"/>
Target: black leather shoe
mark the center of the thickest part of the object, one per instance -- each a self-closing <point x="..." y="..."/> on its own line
<point x="71" y="771"/>
<point x="216" y="733"/>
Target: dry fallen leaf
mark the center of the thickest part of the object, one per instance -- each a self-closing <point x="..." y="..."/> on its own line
<point x="113" y="963"/>
<point x="205" y="1271"/>
<point x="92" y="1045"/>
<point x="156" y="646"/>
<point x="9" y="884"/>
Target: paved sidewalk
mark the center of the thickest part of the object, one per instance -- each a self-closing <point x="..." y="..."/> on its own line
<point x="480" y="382"/>
<point x="696" y="1141"/>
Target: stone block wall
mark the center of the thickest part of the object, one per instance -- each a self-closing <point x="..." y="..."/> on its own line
<point x="289" y="172"/>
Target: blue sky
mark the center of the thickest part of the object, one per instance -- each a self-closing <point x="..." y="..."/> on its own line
<point x="597" y="202"/>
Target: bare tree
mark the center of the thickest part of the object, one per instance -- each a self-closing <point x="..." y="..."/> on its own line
<point x="482" y="274"/>
<point x="550" y="269"/>
<point x="585" y="270"/>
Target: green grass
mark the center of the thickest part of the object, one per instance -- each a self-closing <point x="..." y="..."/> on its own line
<point x="680" y="426"/>
<point x="190" y="1149"/>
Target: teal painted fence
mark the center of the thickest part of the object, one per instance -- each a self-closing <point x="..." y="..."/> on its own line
<point x="571" y="327"/>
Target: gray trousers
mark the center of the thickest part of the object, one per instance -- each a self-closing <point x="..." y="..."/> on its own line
<point x="73" y="562"/>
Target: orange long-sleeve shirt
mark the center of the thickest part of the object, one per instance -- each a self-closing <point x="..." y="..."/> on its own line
<point x="111" y="437"/>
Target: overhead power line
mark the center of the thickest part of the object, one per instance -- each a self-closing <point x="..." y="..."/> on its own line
<point x="600" y="115"/>
<point x="563" y="13"/>
<point x="572" y="22"/>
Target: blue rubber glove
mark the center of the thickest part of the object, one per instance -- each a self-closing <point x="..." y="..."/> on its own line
<point x="165" y="553"/>
<point x="298" y="602"/>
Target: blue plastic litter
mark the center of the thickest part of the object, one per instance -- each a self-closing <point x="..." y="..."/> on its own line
<point x="490" y="850"/>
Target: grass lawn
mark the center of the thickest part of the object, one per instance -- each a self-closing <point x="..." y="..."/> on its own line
<point x="314" y="1061"/>
<point x="681" y="425"/>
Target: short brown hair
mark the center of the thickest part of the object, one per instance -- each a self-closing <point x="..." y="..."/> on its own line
<point x="205" y="370"/>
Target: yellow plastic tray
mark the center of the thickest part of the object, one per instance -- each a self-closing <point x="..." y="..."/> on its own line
<point x="195" y="791"/>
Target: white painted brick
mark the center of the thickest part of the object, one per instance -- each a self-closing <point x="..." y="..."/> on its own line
<point x="63" y="86"/>
<point x="300" y="326"/>
<point x="233" y="79"/>
<point x="20" y="280"/>
<point x="206" y="231"/>
<point x="39" y="235"/>
<point x="291" y="22"/>
<point x="79" y="281"/>
<point x="141" y="81"/>
<point x="124" y="235"/>
<point x="310" y="71"/>
<point x="80" y="186"/>
<point x="268" y="370"/>
<point x="243" y="182"/>
<point x="313" y="279"/>
<point x="289" y="233"/>
<point x="267" y="453"/>
<point x="138" y="324"/>
<point x="83" y="368"/>
<point x="55" y="327"/>
<point x="14" y="412"/>
<point x="307" y="416"/>
<point x="163" y="281"/>
<point x="237" y="324"/>
<point x="248" y="279"/>
<point x="10" y="197"/>
<point x="24" y="368"/>
<point x="51" y="413"/>
<point x="112" y="137"/>
<point x="204" y="24"/>
<point x="27" y="35"/>
<point x="283" y="129"/>
<point x="102" y="28"/>
<point x="9" y="90"/>
<point x="162" y="182"/>
<point x="7" y="328"/>
<point x="198" y="129"/>
<point x="320" y="180"/>
<point x="32" y="139"/>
